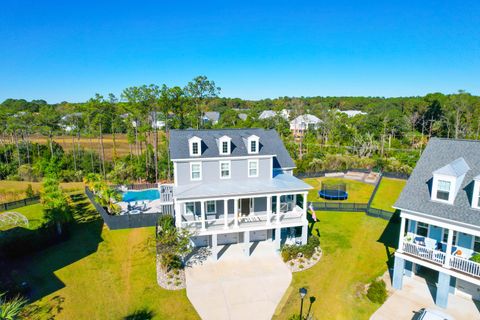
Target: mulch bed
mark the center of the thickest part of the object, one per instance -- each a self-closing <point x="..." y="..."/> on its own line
<point x="301" y="263"/>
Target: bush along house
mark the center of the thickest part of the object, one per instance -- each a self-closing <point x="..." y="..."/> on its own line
<point x="440" y="220"/>
<point x="236" y="186"/>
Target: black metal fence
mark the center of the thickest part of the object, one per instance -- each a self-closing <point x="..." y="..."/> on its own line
<point x="19" y="203"/>
<point x="397" y="175"/>
<point x="125" y="221"/>
<point x="353" y="207"/>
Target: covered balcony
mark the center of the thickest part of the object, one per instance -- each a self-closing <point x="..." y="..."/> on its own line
<point x="448" y="248"/>
<point x="241" y="212"/>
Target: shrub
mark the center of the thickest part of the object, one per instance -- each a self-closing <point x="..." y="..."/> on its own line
<point x="295" y="317"/>
<point x="290" y="252"/>
<point x="377" y="291"/>
<point x="301" y="266"/>
<point x="475" y="258"/>
<point x="29" y="191"/>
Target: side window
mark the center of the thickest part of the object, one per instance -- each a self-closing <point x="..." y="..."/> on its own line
<point x="422" y="229"/>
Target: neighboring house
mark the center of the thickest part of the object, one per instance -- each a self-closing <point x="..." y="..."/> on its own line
<point x="352" y="113"/>
<point x="305" y="122"/>
<point x="153" y="118"/>
<point x="271" y="114"/>
<point x="440" y="219"/>
<point x="211" y="116"/>
<point x="236" y="186"/>
<point x="242" y="116"/>
<point x="66" y="121"/>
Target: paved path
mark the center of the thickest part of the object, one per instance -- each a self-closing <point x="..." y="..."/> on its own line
<point x="238" y="287"/>
<point x="416" y="295"/>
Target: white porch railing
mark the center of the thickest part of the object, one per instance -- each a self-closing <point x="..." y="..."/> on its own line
<point x="166" y="192"/>
<point x="466" y="266"/>
<point x="424" y="253"/>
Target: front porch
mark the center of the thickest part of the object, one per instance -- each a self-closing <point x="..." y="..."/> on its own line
<point x="448" y="248"/>
<point x="255" y="211"/>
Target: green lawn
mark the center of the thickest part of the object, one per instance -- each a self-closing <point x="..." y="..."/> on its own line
<point x="100" y="274"/>
<point x="33" y="213"/>
<point x="387" y="193"/>
<point x="358" y="191"/>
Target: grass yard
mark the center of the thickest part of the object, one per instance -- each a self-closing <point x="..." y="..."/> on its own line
<point x="33" y="213"/>
<point x="100" y="274"/>
<point x="358" y="191"/>
<point x="15" y="190"/>
<point x="387" y="193"/>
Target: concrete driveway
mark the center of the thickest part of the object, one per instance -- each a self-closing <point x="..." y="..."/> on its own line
<point x="238" y="287"/>
<point x="416" y="295"/>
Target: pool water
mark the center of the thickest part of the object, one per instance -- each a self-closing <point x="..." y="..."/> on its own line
<point x="149" y="194"/>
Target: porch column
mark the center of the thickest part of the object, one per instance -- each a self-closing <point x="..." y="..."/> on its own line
<point x="401" y="236"/>
<point x="246" y="240"/>
<point x="448" y="252"/>
<point x="443" y="286"/>
<point x="277" y="238"/>
<point x="305" y="205"/>
<point x="225" y="214"/>
<point x="278" y="209"/>
<point x="178" y="214"/>
<point x="214" y="247"/>
<point x="269" y="209"/>
<point x="304" y="234"/>
<point x="398" y="269"/>
<point x="202" y="210"/>
<point x="235" y="212"/>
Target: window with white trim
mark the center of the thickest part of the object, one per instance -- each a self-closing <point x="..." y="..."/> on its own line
<point x="189" y="207"/>
<point x="225" y="169"/>
<point x="195" y="148"/>
<point x="253" y="144"/>
<point x="445" y="236"/>
<point x="211" y="206"/>
<point x="476" y="244"/>
<point x="224" y="145"/>
<point x="252" y="168"/>
<point x="443" y="190"/>
<point x="422" y="229"/>
<point x="196" y="171"/>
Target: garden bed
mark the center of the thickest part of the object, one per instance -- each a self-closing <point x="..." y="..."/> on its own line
<point x="302" y="263"/>
<point x="170" y="280"/>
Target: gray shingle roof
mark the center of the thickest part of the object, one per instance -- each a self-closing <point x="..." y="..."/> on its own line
<point x="439" y="153"/>
<point x="212" y="115"/>
<point x="269" y="140"/>
<point x="455" y="168"/>
<point x="280" y="183"/>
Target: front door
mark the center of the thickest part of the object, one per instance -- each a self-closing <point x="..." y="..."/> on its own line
<point x="245" y="207"/>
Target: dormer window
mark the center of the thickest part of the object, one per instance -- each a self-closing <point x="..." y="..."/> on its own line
<point x="252" y="144"/>
<point x="195" y="146"/>
<point x="443" y="190"/>
<point x="224" y="145"/>
<point x="476" y="193"/>
<point x="447" y="181"/>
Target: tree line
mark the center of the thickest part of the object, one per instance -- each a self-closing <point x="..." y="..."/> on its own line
<point x="389" y="136"/>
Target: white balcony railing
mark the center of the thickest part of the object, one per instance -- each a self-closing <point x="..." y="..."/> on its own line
<point x="465" y="265"/>
<point x="424" y="253"/>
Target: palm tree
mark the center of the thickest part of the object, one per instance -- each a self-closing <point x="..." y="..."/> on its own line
<point x="55" y="203"/>
<point x="11" y="309"/>
<point x="109" y="198"/>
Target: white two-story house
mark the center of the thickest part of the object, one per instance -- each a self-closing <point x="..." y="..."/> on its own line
<point x="440" y="219"/>
<point x="236" y="186"/>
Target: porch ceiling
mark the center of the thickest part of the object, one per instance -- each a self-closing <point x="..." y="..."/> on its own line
<point x="282" y="183"/>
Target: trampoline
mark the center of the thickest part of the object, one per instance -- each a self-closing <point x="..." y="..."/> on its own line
<point x="330" y="191"/>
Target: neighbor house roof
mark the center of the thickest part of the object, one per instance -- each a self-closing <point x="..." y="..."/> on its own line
<point x="447" y="156"/>
<point x="280" y="183"/>
<point x="305" y="119"/>
<point x="271" y="113"/>
<point x="352" y="113"/>
<point x="243" y="116"/>
<point x="269" y="143"/>
<point x="212" y="115"/>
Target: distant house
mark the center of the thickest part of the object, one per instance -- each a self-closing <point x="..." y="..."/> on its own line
<point x="352" y="113"/>
<point x="271" y="114"/>
<point x="211" y="116"/>
<point x="243" y="116"/>
<point x="66" y="122"/>
<point x="153" y="118"/>
<point x="440" y="220"/>
<point x="304" y="122"/>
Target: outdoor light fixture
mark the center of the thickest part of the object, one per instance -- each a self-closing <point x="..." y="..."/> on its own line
<point x="303" y="293"/>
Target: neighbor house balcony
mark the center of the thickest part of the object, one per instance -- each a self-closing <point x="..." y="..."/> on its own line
<point x="259" y="212"/>
<point x="443" y="247"/>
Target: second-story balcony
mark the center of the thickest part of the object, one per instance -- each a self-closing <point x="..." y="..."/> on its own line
<point x="265" y="211"/>
<point x="431" y="250"/>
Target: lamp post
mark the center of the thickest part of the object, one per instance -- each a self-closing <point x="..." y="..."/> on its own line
<point x="303" y="293"/>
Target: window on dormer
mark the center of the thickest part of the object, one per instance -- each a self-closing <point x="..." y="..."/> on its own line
<point x="253" y="146"/>
<point x="195" y="148"/>
<point x="225" y="147"/>
<point x="443" y="190"/>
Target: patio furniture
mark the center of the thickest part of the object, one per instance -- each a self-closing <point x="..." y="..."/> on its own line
<point x="135" y="211"/>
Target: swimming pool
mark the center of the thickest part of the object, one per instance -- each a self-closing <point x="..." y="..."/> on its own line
<point x="148" y="194"/>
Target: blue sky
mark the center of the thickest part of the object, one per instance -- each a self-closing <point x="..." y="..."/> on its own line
<point x="65" y="50"/>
